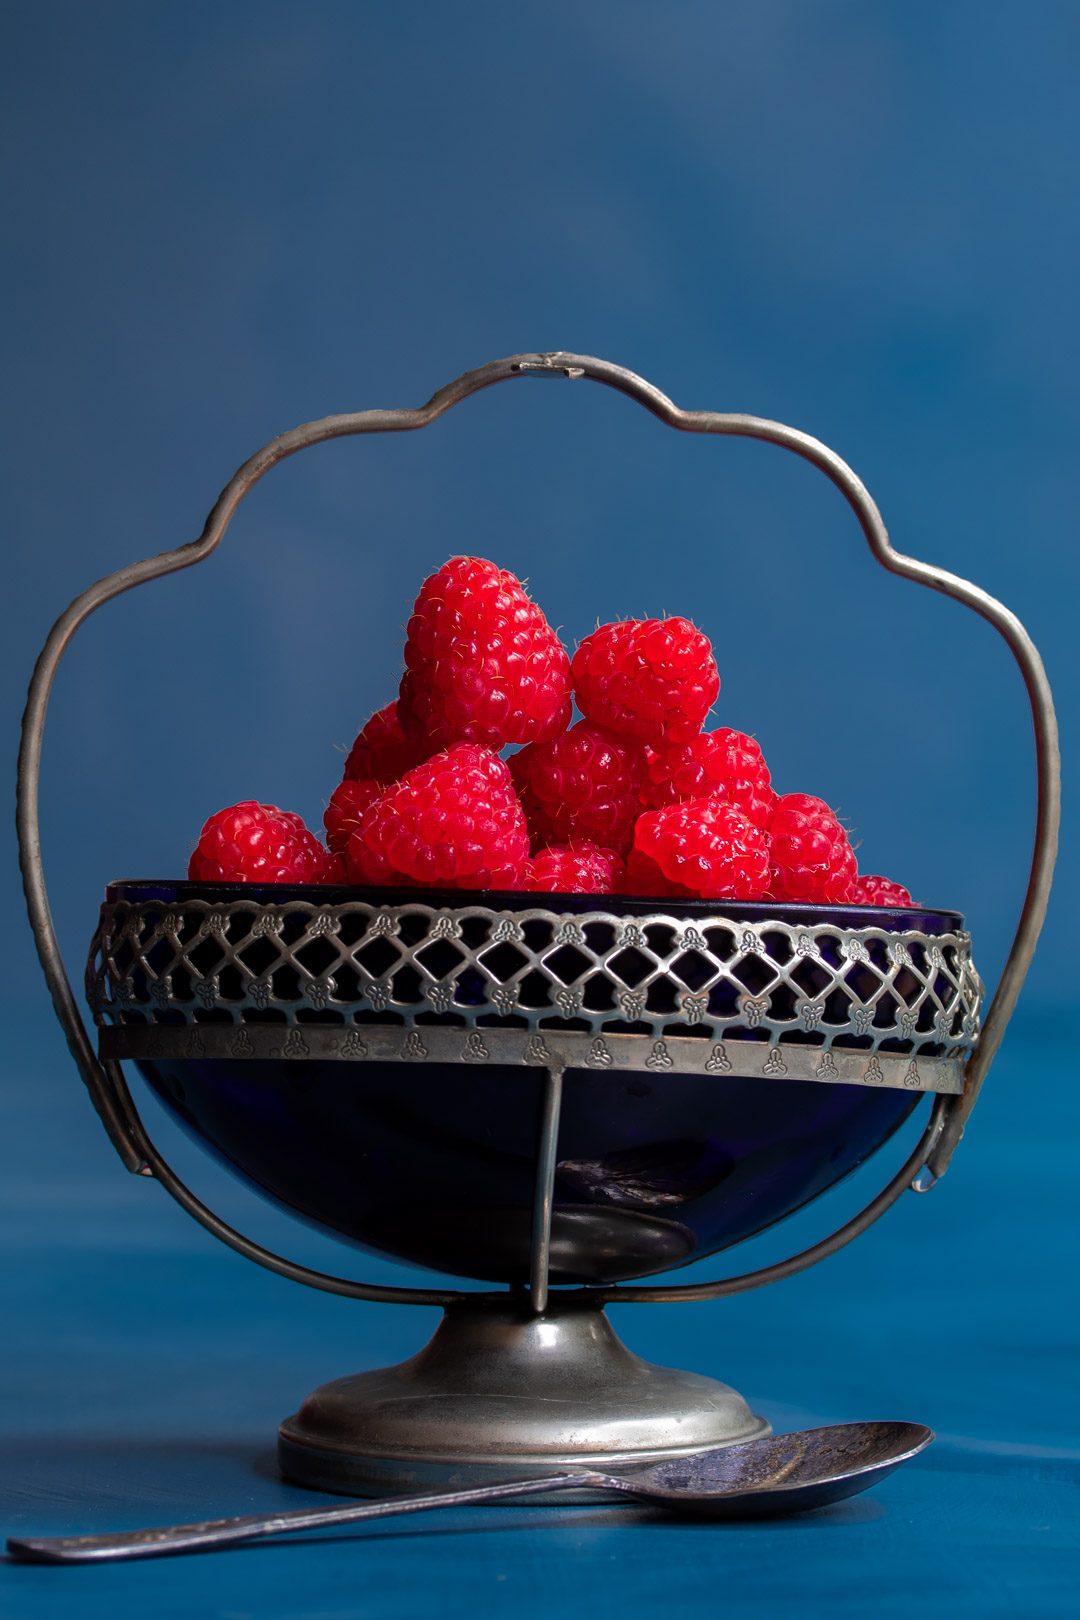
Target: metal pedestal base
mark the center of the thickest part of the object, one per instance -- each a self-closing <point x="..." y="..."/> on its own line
<point x="501" y="1394"/>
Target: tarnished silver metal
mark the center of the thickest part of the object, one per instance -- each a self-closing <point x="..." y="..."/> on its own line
<point x="547" y="1160"/>
<point x="572" y="1049"/>
<point x="104" y="1078"/>
<point x="471" y="982"/>
<point x="499" y="1393"/>
<point x="779" y="1474"/>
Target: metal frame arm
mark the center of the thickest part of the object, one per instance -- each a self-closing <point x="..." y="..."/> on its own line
<point x="626" y="1294"/>
<point x="105" y="1081"/>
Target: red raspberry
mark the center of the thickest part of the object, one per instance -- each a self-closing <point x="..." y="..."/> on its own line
<point x="705" y="847"/>
<point x="812" y="859"/>
<point x="381" y="750"/>
<point x="454" y="822"/>
<point x="721" y="764"/>
<point x="342" y="815"/>
<point x="879" y="891"/>
<point x="582" y="784"/>
<point x="646" y="678"/>
<point x="580" y="868"/>
<point x="258" y="843"/>
<point x="643" y="877"/>
<point x="482" y="663"/>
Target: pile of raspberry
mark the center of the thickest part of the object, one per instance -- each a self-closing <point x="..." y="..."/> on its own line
<point x="632" y="797"/>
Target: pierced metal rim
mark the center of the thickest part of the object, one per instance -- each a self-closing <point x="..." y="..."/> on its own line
<point x="624" y="985"/>
<point x="105" y="1081"/>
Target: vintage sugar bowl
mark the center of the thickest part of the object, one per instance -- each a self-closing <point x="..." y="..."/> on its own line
<point x="556" y="1096"/>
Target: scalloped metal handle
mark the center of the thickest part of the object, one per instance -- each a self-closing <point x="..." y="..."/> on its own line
<point x="948" y="1117"/>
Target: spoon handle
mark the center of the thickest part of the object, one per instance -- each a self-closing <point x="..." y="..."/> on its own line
<point x="178" y="1538"/>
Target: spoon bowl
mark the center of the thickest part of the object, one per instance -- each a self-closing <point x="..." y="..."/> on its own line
<point x="779" y="1474"/>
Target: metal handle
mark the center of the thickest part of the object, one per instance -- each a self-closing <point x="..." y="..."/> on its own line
<point x="948" y="1116"/>
<point x="207" y="1533"/>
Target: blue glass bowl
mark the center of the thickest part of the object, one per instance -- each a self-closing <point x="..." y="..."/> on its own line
<point x="434" y="1164"/>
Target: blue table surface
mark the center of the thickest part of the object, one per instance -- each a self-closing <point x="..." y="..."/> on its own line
<point x="144" y="1371"/>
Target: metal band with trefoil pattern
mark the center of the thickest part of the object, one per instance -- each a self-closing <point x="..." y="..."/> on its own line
<point x="359" y="982"/>
<point x="565" y="1049"/>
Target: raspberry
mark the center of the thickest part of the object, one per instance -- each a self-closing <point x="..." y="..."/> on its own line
<point x="583" y="784"/>
<point x="721" y="764"/>
<point x="581" y="868"/>
<point x="643" y="877"/>
<point x="454" y="822"/>
<point x="879" y="891"/>
<point x="812" y="859"/>
<point x="482" y="663"/>
<point x="703" y="847"/>
<point x="382" y="751"/>
<point x="646" y="678"/>
<point x="258" y="843"/>
<point x="342" y="815"/>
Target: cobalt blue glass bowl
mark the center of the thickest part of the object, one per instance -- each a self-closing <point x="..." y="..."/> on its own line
<point x="434" y="1164"/>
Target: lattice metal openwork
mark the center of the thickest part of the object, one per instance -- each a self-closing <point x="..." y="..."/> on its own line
<point x="590" y="989"/>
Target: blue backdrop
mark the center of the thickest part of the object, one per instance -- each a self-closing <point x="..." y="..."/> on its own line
<point x="228" y="219"/>
<point x="225" y="219"/>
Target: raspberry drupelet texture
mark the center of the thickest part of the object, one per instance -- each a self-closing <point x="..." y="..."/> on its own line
<point x="585" y="783"/>
<point x="454" y="822"/>
<point x="812" y="859"/>
<point x="646" y="678"/>
<point x="721" y="764"/>
<point x="702" y="847"/>
<point x="258" y="843"/>
<point x="482" y="664"/>
<point x="382" y="752"/>
<point x="872" y="890"/>
<point x="342" y="815"/>
<point x="580" y="868"/>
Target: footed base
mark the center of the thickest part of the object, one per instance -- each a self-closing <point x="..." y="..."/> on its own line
<point x="500" y="1394"/>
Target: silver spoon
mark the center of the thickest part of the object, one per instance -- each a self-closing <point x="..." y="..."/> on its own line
<point x="784" y="1473"/>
